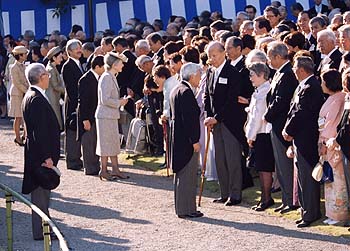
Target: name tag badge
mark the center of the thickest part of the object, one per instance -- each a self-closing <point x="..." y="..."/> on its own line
<point x="223" y="81"/>
<point x="347" y="106"/>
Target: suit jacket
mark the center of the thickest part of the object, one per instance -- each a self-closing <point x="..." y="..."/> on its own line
<point x="108" y="97"/>
<point x="71" y="74"/>
<point x="87" y="99"/>
<point x="158" y="58"/>
<point x="221" y="102"/>
<point x="313" y="13"/>
<point x="333" y="62"/>
<point x="184" y="125"/>
<point x="125" y="79"/>
<point x="43" y="136"/>
<point x="87" y="65"/>
<point x="302" y="122"/>
<point x="282" y="89"/>
<point x="18" y="79"/>
<point x="343" y="136"/>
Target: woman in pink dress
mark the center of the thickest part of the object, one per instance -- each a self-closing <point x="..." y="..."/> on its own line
<point x="336" y="197"/>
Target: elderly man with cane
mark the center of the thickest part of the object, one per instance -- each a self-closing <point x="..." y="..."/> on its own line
<point x="184" y="144"/>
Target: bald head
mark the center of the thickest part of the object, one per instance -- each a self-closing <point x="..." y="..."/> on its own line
<point x="216" y="53"/>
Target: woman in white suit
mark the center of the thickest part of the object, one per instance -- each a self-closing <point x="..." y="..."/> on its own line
<point x="107" y="115"/>
<point x="257" y="132"/>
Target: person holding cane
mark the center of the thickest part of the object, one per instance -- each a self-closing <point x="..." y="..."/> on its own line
<point x="184" y="151"/>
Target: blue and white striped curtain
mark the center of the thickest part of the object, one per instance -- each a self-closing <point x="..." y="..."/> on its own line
<point x="19" y="15"/>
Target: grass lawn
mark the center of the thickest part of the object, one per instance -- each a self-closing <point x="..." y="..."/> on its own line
<point x="250" y="196"/>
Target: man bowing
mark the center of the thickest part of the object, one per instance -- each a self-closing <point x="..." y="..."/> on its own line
<point x="184" y="144"/>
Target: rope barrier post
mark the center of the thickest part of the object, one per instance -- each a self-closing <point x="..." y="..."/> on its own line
<point x="9" y="221"/>
<point x="46" y="232"/>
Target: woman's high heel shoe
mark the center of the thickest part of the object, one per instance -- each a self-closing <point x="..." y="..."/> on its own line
<point x="18" y="143"/>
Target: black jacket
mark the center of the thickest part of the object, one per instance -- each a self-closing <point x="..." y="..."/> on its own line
<point x="124" y="79"/>
<point x="87" y="99"/>
<point x="302" y="122"/>
<point x="336" y="58"/>
<point x="222" y="102"/>
<point x="313" y="13"/>
<point x="71" y="74"/>
<point x="43" y="136"/>
<point x="343" y="137"/>
<point x="184" y="125"/>
<point x="279" y="99"/>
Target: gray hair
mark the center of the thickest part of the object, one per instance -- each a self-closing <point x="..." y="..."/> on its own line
<point x="188" y="70"/>
<point x="73" y="44"/>
<point x="142" y="59"/>
<point x="327" y="33"/>
<point x="345" y="30"/>
<point x="109" y="60"/>
<point x="255" y="56"/>
<point x="278" y="49"/>
<point x="244" y="14"/>
<point x="248" y="23"/>
<point x="260" y="68"/>
<point x="214" y="44"/>
<point x="306" y="63"/>
<point x="142" y="43"/>
<point x="33" y="73"/>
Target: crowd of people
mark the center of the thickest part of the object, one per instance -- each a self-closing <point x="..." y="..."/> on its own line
<point x="266" y="89"/>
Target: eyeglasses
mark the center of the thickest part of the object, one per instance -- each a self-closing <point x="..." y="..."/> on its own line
<point x="251" y="74"/>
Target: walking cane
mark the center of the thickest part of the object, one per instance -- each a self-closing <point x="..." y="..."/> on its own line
<point x="166" y="148"/>
<point x="204" y="167"/>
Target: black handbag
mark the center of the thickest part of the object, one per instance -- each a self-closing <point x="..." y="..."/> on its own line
<point x="3" y="95"/>
<point x="327" y="176"/>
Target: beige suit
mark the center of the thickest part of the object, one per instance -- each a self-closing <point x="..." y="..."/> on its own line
<point x="107" y="115"/>
<point x="55" y="90"/>
<point x="18" y="88"/>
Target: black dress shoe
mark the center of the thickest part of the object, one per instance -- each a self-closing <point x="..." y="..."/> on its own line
<point x="195" y="215"/>
<point x="265" y="205"/>
<point x="304" y="224"/>
<point x="279" y="208"/>
<point x="255" y="206"/>
<point x="299" y="221"/>
<point x="220" y="200"/>
<point x="232" y="202"/>
<point x="288" y="209"/>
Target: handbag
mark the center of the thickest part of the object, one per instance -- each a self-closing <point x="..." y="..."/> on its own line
<point x="327" y="176"/>
<point x="323" y="172"/>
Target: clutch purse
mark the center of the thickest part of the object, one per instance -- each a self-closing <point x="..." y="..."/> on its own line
<point x="323" y="172"/>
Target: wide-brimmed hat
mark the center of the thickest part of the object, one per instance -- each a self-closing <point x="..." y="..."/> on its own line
<point x="20" y="50"/>
<point x="47" y="178"/>
<point x="122" y="57"/>
<point x="53" y="51"/>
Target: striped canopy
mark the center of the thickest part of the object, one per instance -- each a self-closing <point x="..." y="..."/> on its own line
<point x="19" y="15"/>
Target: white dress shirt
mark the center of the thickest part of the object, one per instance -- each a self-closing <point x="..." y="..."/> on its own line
<point x="169" y="85"/>
<point x="217" y="72"/>
<point x="41" y="90"/>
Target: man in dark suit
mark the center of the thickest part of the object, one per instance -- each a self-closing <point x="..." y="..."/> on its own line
<point x="283" y="86"/>
<point x="185" y="131"/>
<point x="124" y="78"/>
<point x="88" y="49"/>
<point x="154" y="41"/>
<point x="326" y="41"/>
<point x="316" y="24"/>
<point x="43" y="141"/>
<point x="233" y="48"/>
<point x="221" y="106"/>
<point x="318" y="8"/>
<point x="72" y="72"/>
<point x="302" y="128"/>
<point x="87" y="104"/>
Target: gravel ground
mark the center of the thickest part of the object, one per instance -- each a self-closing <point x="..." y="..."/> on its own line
<point x="138" y="214"/>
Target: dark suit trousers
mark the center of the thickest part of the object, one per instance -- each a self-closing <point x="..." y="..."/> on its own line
<point x="185" y="187"/>
<point x="90" y="159"/>
<point x="346" y="164"/>
<point x="72" y="150"/>
<point x="41" y="198"/>
<point x="228" y="154"/>
<point x="284" y="169"/>
<point x="308" y="190"/>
